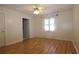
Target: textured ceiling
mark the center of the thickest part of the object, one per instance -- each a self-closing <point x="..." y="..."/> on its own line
<point x="46" y="8"/>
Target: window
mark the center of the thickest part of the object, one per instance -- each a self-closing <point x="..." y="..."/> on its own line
<point x="49" y="24"/>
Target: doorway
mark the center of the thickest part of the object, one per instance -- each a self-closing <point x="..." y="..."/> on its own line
<point x="25" y="28"/>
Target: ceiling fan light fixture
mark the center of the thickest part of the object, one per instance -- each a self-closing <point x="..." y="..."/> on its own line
<point x="36" y="11"/>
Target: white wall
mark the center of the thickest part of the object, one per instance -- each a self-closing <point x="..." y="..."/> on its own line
<point x="2" y="30"/>
<point x="13" y="26"/>
<point x="76" y="26"/>
<point x="63" y="24"/>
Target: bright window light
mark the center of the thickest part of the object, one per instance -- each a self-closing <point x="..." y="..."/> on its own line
<point x="46" y="24"/>
<point x="47" y="21"/>
<point x="52" y="25"/>
<point x="49" y="24"/>
<point x="46" y="28"/>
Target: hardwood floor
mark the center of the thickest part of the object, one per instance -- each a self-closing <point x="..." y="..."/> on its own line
<point x="40" y="46"/>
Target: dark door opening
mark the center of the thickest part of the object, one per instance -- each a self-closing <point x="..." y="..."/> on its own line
<point x="25" y="28"/>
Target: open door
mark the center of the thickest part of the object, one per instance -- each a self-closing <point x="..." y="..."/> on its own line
<point x="25" y="28"/>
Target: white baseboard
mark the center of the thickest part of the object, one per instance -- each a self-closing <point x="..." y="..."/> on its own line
<point x="75" y="47"/>
<point x="13" y="42"/>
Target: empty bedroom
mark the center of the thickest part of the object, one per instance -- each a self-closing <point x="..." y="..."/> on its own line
<point x="39" y="29"/>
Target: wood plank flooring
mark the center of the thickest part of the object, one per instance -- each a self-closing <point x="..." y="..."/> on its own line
<point x="40" y="46"/>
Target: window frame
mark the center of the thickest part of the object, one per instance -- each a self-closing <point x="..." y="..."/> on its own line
<point x="49" y="24"/>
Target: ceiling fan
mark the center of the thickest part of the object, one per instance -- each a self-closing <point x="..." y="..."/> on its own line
<point x="37" y="9"/>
